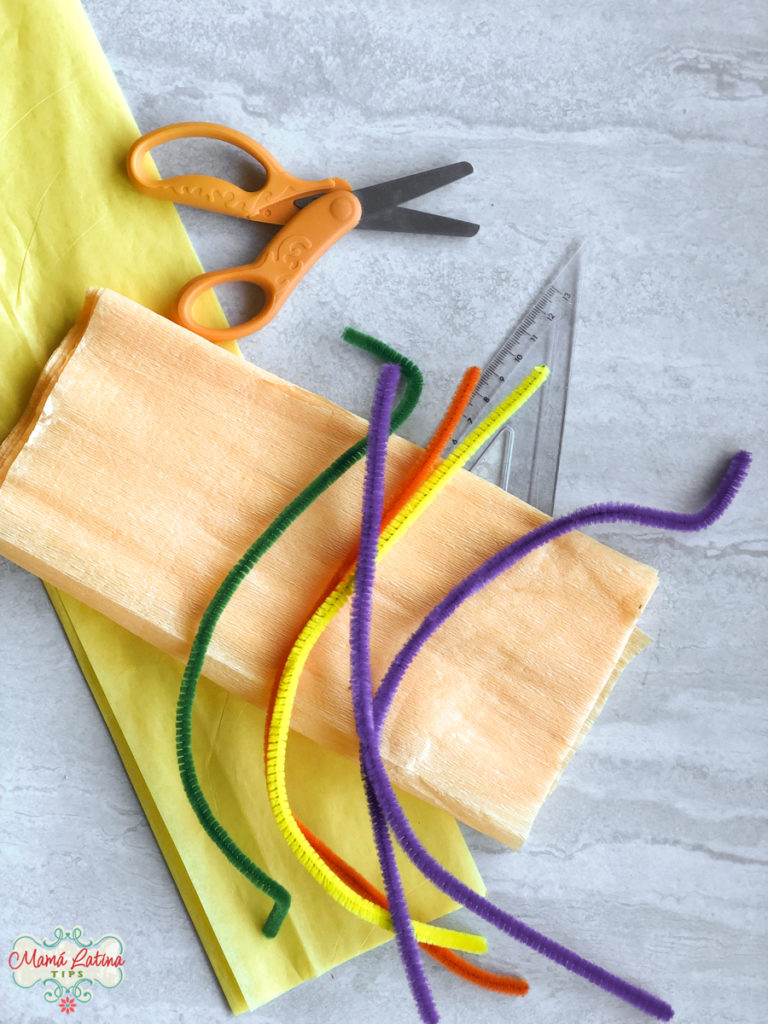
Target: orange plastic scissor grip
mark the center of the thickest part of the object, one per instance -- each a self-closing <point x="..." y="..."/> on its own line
<point x="280" y="266"/>
<point x="273" y="203"/>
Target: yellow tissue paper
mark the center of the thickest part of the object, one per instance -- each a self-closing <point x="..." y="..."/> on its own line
<point x="74" y="221"/>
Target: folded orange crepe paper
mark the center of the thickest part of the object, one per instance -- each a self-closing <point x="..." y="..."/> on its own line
<point x="149" y="460"/>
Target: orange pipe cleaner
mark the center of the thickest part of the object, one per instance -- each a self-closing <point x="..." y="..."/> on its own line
<point x="455" y="963"/>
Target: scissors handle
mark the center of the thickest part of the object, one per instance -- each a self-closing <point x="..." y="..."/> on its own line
<point x="273" y="203"/>
<point x="279" y="268"/>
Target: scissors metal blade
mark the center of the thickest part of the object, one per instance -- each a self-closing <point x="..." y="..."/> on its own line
<point x="377" y="198"/>
<point x="417" y="222"/>
<point x="381" y="203"/>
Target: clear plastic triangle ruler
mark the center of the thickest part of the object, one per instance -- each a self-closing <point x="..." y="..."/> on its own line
<point x="525" y="458"/>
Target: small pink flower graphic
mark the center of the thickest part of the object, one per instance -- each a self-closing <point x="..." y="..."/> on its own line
<point x="67" y="1005"/>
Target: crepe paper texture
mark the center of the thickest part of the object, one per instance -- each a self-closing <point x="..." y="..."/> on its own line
<point x="332" y="863"/>
<point x="228" y="586"/>
<point x="282" y="700"/>
<point x="74" y="221"/>
<point x="139" y="505"/>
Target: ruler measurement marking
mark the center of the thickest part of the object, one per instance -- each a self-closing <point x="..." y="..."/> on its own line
<point x="550" y="307"/>
<point x="513" y="342"/>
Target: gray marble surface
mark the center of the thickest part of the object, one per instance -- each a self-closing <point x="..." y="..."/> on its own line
<point x="642" y="127"/>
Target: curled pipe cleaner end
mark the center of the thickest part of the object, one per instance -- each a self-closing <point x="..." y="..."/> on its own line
<point x="385" y="354"/>
<point x="238" y="858"/>
<point x="687" y="522"/>
<point x="734" y="476"/>
<point x="275" y="919"/>
<point x="591" y="515"/>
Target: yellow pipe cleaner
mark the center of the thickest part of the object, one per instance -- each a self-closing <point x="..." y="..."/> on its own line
<point x="277" y="738"/>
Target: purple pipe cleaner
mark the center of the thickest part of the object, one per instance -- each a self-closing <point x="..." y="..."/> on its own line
<point x="362" y="683"/>
<point x="370" y="726"/>
<point x="607" y="512"/>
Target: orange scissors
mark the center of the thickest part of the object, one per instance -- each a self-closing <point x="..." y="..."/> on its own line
<point x="314" y="215"/>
